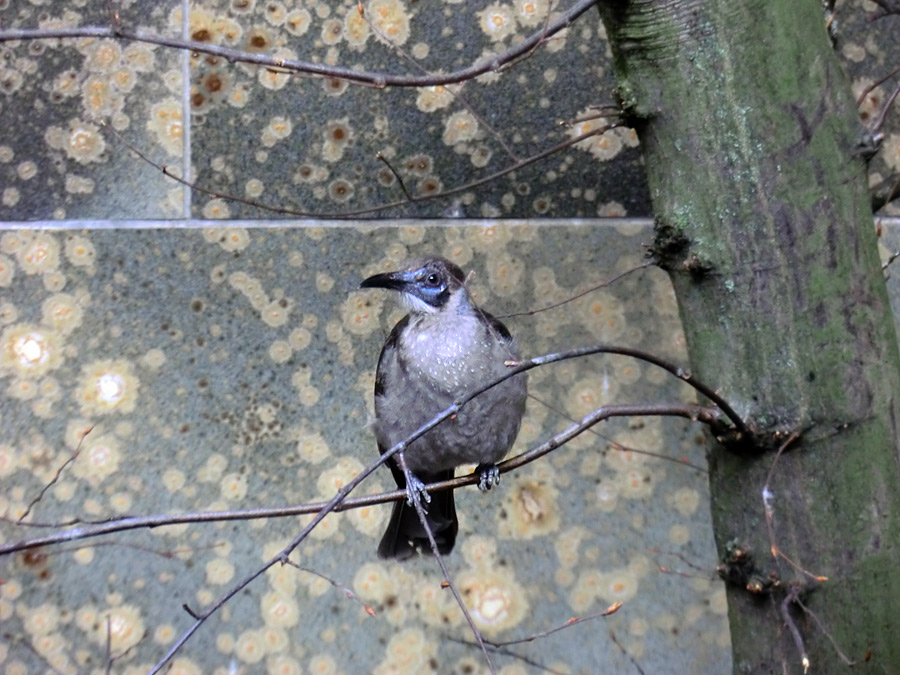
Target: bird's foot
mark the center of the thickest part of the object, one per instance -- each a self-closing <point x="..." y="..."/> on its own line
<point x="489" y="476"/>
<point x="415" y="490"/>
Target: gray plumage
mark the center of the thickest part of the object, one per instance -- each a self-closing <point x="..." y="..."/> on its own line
<point x="444" y="348"/>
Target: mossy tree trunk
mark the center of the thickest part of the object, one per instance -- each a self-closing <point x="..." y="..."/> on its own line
<point x="755" y="158"/>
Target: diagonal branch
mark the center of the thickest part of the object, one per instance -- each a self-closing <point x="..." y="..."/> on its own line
<point x="374" y="79"/>
<point x="415" y="497"/>
<point x="698" y="413"/>
<point x="288" y="211"/>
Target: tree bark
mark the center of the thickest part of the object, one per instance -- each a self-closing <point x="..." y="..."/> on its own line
<point x="756" y="163"/>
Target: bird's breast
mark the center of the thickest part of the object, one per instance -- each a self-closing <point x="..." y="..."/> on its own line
<point x="453" y="361"/>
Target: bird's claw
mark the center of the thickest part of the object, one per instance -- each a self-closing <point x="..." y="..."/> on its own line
<point x="415" y="489"/>
<point x="489" y="476"/>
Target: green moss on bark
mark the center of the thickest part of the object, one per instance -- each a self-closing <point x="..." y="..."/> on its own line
<point x="764" y="225"/>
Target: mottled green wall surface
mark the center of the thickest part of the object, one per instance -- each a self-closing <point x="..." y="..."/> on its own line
<point x="233" y="367"/>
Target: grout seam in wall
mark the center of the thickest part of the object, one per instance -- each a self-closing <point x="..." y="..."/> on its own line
<point x="196" y="223"/>
<point x="186" y="109"/>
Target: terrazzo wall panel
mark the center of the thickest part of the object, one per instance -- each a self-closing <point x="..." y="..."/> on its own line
<point x="234" y="368"/>
<point x="90" y="123"/>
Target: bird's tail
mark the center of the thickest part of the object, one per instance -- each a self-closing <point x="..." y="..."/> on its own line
<point x="405" y="535"/>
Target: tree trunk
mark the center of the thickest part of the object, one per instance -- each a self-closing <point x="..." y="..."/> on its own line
<point x="755" y="159"/>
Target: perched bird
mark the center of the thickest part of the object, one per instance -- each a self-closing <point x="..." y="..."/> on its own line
<point x="444" y="348"/>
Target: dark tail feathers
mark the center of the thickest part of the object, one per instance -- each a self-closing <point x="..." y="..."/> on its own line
<point x="405" y="535"/>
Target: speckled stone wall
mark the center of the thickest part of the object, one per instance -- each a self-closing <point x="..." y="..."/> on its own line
<point x="234" y="368"/>
<point x="305" y="145"/>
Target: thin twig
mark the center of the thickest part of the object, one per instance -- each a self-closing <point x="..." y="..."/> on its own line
<point x="706" y="573"/>
<point x="416" y="500"/>
<point x="507" y="652"/>
<point x="603" y="284"/>
<point x="785" y="608"/>
<point x="56" y="477"/>
<point x="379" y="80"/>
<point x="812" y="615"/>
<point x="399" y="178"/>
<point x="885" y="192"/>
<point x="768" y="504"/>
<point x="692" y="412"/>
<point x="339" y="586"/>
<point x="888" y="7"/>
<point x="612" y="609"/>
<point x="109" y="660"/>
<point x="618" y="447"/>
<point x="885" y="109"/>
<point x="615" y="640"/>
<point x="868" y="90"/>
<point x="370" y="209"/>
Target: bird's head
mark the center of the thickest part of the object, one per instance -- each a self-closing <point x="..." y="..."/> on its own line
<point x="427" y="284"/>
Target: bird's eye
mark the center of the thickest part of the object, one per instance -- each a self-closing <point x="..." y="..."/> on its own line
<point x="432" y="280"/>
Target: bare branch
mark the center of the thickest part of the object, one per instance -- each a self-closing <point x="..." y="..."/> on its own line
<point x="695" y="413"/>
<point x="885" y="192"/>
<point x="615" y="640"/>
<point x="399" y="178"/>
<point x="604" y="284"/>
<point x="339" y="586"/>
<point x="378" y="80"/>
<point x="888" y="7"/>
<point x="618" y="446"/>
<point x="56" y="477"/>
<point x="612" y="609"/>
<point x="885" y="109"/>
<point x="416" y="500"/>
<point x="101" y="528"/>
<point x="371" y="209"/>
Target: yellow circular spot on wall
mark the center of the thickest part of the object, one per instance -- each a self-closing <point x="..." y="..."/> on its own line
<point x="356" y="29"/>
<point x="408" y="651"/>
<point x="312" y="447"/>
<point x="497" y="21"/>
<point x="679" y="535"/>
<point x="496" y="601"/>
<point x="361" y="313"/>
<point x="460" y="127"/>
<point x="233" y="487"/>
<point x="98" y="458"/>
<point x="167" y="125"/>
<point x="297" y="21"/>
<point x="39" y="254"/>
<point x="122" y="626"/>
<point x="41" y="620"/>
<point x="107" y="386"/>
<point x="390" y="20"/>
<point x="685" y="501"/>
<point x="342" y="472"/>
<point x="216" y="209"/>
<point x="61" y="312"/>
<point x="250" y="647"/>
<point x="429" y="99"/>
<point x="84" y="143"/>
<point x="322" y="664"/>
<point x="29" y="351"/>
<point x="279" y="610"/>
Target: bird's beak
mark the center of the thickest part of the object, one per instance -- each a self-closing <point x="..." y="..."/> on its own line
<point x="396" y="281"/>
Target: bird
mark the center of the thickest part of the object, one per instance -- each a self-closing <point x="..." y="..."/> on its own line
<point x="444" y="348"/>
